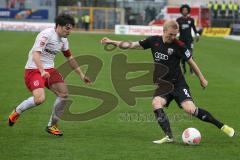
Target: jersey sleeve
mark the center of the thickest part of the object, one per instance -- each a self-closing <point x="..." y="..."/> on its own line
<point x="193" y="26"/>
<point x="41" y="41"/>
<point x="146" y="43"/>
<point x="65" y="46"/>
<point x="183" y="53"/>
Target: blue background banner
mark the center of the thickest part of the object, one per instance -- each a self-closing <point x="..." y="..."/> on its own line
<point x="33" y="14"/>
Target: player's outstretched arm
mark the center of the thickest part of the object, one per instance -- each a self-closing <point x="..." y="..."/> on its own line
<point x="197" y="71"/>
<point x="73" y="63"/>
<point x="122" y="44"/>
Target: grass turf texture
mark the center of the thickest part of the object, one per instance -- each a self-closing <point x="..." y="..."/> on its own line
<point x="126" y="132"/>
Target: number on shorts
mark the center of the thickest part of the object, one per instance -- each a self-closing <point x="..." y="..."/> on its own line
<point x="186" y="92"/>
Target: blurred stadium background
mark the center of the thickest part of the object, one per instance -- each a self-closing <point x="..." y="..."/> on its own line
<point x="126" y="132"/>
<point x="104" y="15"/>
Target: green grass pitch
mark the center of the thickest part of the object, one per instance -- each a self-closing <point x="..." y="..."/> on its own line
<point x="126" y="132"/>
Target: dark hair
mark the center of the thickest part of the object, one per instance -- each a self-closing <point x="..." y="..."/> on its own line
<point x="64" y="19"/>
<point x="185" y="6"/>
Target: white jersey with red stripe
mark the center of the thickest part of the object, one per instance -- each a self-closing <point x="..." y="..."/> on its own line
<point x="49" y="44"/>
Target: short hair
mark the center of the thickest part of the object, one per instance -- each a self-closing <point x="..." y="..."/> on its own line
<point x="170" y="24"/>
<point x="64" y="19"/>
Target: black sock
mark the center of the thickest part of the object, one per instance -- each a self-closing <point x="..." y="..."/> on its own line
<point x="207" y="117"/>
<point x="163" y="121"/>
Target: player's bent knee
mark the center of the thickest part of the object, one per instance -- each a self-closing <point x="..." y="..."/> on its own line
<point x="189" y="110"/>
<point x="157" y="102"/>
<point x="39" y="100"/>
<point x="39" y="96"/>
<point x="189" y="107"/>
<point x="63" y="95"/>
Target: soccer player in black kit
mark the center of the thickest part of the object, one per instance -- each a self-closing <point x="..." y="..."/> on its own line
<point x="186" y="24"/>
<point x="168" y="51"/>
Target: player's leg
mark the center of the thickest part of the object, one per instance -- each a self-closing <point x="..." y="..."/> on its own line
<point x="61" y="91"/>
<point x="205" y="116"/>
<point x="184" y="99"/>
<point x="37" y="99"/>
<point x="35" y="83"/>
<point x="200" y="113"/>
<point x="56" y="84"/>
<point x="158" y="103"/>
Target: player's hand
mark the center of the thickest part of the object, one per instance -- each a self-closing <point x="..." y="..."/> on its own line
<point x="203" y="82"/>
<point x="197" y="37"/>
<point x="45" y="74"/>
<point x="106" y="40"/>
<point x="86" y="79"/>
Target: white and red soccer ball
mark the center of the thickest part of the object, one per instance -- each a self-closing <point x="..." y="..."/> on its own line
<point x="191" y="136"/>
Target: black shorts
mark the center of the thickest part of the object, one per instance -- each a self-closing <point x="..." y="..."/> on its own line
<point x="180" y="93"/>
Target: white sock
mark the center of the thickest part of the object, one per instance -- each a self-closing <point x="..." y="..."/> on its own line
<point x="58" y="109"/>
<point x="26" y="104"/>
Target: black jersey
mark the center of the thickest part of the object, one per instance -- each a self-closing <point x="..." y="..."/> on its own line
<point x="186" y="24"/>
<point x="168" y="54"/>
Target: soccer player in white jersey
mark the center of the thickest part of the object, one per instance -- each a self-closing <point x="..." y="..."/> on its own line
<point x="40" y="72"/>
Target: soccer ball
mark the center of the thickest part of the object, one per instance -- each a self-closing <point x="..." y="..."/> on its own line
<point x="191" y="136"/>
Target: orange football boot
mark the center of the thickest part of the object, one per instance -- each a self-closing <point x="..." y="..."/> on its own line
<point x="12" y="119"/>
<point x="54" y="130"/>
